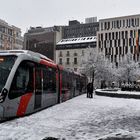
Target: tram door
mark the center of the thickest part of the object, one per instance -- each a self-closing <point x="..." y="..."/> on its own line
<point x="38" y="88"/>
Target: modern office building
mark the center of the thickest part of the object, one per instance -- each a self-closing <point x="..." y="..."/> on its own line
<point x="119" y="36"/>
<point x="10" y="36"/>
<point x="72" y="52"/>
<point x="76" y="29"/>
<point x="43" y="40"/>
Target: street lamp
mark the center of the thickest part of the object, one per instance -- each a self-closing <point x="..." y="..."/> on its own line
<point x="92" y="73"/>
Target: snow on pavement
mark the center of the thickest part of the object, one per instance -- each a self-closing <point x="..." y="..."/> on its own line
<point x="80" y="118"/>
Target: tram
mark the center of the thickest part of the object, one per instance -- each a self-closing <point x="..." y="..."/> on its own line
<point x="31" y="82"/>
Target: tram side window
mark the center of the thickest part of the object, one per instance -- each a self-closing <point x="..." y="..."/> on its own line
<point x="70" y="80"/>
<point x="66" y="80"/>
<point x="23" y="80"/>
<point x="49" y="80"/>
<point x="77" y="82"/>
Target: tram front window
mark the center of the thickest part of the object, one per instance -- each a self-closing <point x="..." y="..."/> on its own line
<point x="6" y="64"/>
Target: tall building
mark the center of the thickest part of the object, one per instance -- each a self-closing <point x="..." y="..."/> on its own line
<point x="91" y="20"/>
<point x="43" y="40"/>
<point x="119" y="36"/>
<point x="10" y="36"/>
<point x="76" y="29"/>
<point x="73" y="52"/>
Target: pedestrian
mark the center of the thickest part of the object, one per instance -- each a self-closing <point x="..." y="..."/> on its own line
<point x="88" y="89"/>
<point x="91" y="90"/>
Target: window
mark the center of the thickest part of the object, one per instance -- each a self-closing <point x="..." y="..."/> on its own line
<point x="126" y="34"/>
<point x="83" y="52"/>
<point x="49" y="79"/>
<point x="116" y="35"/>
<point x="101" y="26"/>
<point x="75" y="60"/>
<point x="6" y="64"/>
<point x="66" y="80"/>
<point x="123" y="23"/>
<point x="122" y="34"/>
<point x="108" y="25"/>
<point x="75" y="54"/>
<point x="68" y="61"/>
<point x="116" y="50"/>
<point x="101" y="37"/>
<point x="22" y="81"/>
<point x="131" y="33"/>
<point x="105" y="36"/>
<point x="112" y="35"/>
<point x="60" y="61"/>
<point x="117" y="22"/>
<point x="137" y="22"/>
<point x="130" y="42"/>
<point x="68" y="53"/>
<point x="60" y="54"/>
<point x="105" y="26"/>
<point x="132" y="22"/>
<point x="109" y="36"/>
<point x="112" y="24"/>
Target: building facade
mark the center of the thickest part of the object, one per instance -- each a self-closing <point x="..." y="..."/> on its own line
<point x="72" y="52"/>
<point x="91" y="20"/>
<point x="43" y="40"/>
<point x="10" y="36"/>
<point x="76" y="29"/>
<point x="119" y="36"/>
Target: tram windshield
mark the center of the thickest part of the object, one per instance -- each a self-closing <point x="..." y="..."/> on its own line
<point x="6" y="64"/>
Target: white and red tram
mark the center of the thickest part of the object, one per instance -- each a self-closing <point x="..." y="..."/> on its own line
<point x="30" y="82"/>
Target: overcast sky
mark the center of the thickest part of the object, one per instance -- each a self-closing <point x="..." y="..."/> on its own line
<point x="46" y="13"/>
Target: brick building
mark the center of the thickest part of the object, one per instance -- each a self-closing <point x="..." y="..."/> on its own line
<point x="10" y="36"/>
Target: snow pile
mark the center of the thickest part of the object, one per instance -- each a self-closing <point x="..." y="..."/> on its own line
<point x="81" y="118"/>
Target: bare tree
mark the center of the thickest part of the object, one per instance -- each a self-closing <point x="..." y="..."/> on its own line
<point x="99" y="67"/>
<point x="128" y="70"/>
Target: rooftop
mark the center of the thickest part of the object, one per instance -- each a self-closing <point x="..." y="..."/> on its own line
<point x="77" y="40"/>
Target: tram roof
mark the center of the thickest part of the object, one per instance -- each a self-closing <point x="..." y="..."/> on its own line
<point x="77" y="40"/>
<point x="19" y="52"/>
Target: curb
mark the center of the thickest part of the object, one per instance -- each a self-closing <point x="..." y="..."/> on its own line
<point x="115" y="94"/>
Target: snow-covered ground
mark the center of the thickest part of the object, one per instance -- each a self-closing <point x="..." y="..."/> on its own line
<point x="80" y="118"/>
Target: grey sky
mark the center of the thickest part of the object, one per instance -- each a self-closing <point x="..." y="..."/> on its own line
<point x="26" y="13"/>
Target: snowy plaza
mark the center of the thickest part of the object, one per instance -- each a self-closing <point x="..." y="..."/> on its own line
<point x="80" y="118"/>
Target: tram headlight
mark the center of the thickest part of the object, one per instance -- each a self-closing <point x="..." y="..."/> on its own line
<point x="3" y="95"/>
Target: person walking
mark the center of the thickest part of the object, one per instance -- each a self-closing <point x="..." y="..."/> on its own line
<point x="90" y="90"/>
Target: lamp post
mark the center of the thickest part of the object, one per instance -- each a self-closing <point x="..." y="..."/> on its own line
<point x="92" y="74"/>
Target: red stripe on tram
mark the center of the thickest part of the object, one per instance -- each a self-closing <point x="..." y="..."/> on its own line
<point x="24" y="101"/>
